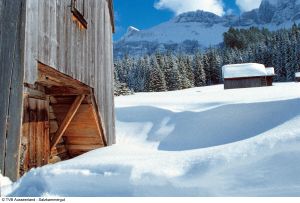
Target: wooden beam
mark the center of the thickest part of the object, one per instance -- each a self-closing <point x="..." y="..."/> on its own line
<point x="49" y="76"/>
<point x="111" y="13"/>
<point x="67" y="120"/>
<point x="79" y="17"/>
<point x="65" y="91"/>
<point x="33" y="93"/>
<point x="98" y="119"/>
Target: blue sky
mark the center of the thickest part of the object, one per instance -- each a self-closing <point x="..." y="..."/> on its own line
<point x="144" y="14"/>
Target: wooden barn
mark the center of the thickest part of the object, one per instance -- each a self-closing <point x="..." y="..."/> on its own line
<point x="244" y="75"/>
<point x="297" y="77"/>
<point x="56" y="81"/>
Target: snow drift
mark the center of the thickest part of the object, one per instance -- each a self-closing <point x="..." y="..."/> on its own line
<point x="243" y="70"/>
<point x="196" y="142"/>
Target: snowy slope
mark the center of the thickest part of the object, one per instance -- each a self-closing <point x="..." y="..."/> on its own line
<point x="196" y="30"/>
<point x="197" y="142"/>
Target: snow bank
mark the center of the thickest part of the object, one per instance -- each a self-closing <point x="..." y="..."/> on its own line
<point x="197" y="142"/>
<point x="4" y="183"/>
<point x="243" y="70"/>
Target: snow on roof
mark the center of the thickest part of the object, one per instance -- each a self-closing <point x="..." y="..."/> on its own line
<point x="297" y="75"/>
<point x="270" y="71"/>
<point x="243" y="70"/>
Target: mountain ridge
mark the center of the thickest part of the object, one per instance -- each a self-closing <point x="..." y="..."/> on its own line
<point x="196" y="30"/>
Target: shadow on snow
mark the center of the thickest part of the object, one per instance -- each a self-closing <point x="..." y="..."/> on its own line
<point x="218" y="126"/>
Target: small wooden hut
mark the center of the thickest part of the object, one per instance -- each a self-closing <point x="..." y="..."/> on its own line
<point x="297" y="77"/>
<point x="56" y="81"/>
<point x="244" y="75"/>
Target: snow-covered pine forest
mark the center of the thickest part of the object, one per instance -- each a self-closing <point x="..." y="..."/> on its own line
<point x="174" y="71"/>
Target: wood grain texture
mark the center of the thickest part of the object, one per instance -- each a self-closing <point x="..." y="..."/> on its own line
<point x="85" y="55"/>
<point x="67" y="120"/>
<point x="11" y="83"/>
<point x="83" y="129"/>
<point x="36" y="133"/>
<point x="233" y="83"/>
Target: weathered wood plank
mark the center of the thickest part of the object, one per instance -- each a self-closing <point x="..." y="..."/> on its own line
<point x="64" y="125"/>
<point x="31" y="40"/>
<point x="24" y="157"/>
<point x="5" y="80"/>
<point x="53" y="126"/>
<point x="98" y="120"/>
<point x="34" y="93"/>
<point x="65" y="91"/>
<point x="50" y="76"/>
<point x="36" y="120"/>
<point x="39" y="134"/>
<point x="46" y="144"/>
<point x="32" y="109"/>
<point x="11" y="77"/>
<point x="109" y="99"/>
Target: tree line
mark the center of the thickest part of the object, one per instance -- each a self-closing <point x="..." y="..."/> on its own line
<point x="174" y="71"/>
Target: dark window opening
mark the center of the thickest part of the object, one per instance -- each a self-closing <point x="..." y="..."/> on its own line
<point x="77" y="8"/>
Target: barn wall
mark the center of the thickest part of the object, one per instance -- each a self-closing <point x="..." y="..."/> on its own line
<point x="56" y="40"/>
<point x="12" y="15"/>
<point x="269" y="80"/>
<point x="244" y="82"/>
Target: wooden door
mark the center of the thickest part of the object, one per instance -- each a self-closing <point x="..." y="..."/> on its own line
<point x="35" y="143"/>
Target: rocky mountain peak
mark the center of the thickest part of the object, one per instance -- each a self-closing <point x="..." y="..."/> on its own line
<point x="198" y="16"/>
<point x="131" y="31"/>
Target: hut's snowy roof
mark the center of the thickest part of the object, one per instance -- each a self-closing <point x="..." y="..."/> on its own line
<point x="297" y="75"/>
<point x="270" y="71"/>
<point x="243" y="70"/>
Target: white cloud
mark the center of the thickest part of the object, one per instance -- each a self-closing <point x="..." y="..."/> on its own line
<point x="247" y="5"/>
<point x="181" y="6"/>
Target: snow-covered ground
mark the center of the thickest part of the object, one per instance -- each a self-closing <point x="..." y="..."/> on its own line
<point x="197" y="142"/>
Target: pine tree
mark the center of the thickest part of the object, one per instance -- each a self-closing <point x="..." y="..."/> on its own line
<point x="184" y="80"/>
<point x="199" y="73"/>
<point x="215" y="66"/>
<point x="120" y="88"/>
<point x="171" y="73"/>
<point x="126" y="66"/>
<point x="175" y="79"/>
<point x="207" y="69"/>
<point x="138" y="74"/>
<point x="189" y="70"/>
<point x="156" y="81"/>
